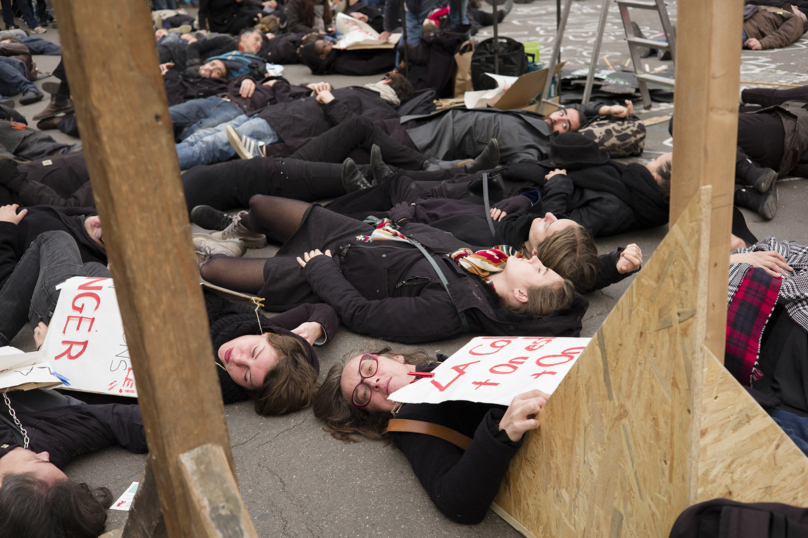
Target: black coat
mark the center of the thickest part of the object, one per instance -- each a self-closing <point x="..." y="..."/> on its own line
<point x="15" y="239"/>
<point x="388" y="289"/>
<point x="306" y="118"/>
<point x="231" y="320"/>
<point x="181" y="87"/>
<point x="282" y="49"/>
<point x="59" y="180"/>
<point x="69" y="431"/>
<point x="374" y="14"/>
<point x="462" y="484"/>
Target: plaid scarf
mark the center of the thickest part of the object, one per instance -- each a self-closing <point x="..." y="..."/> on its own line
<point x="751" y="297"/>
<point x="385" y="231"/>
<point x="484" y="262"/>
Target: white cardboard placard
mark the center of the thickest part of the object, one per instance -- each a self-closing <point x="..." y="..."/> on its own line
<point x="494" y="369"/>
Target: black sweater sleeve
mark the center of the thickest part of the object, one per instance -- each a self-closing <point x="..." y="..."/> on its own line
<point x="320" y="313"/>
<point x="461" y="484"/>
<point x="8" y="250"/>
<point x="607" y="271"/>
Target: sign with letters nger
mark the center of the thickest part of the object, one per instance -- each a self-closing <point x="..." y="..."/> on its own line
<point x="495" y="369"/>
<point x="85" y="346"/>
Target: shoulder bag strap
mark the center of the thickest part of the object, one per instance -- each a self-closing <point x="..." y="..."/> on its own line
<point x="428" y="428"/>
<point x="487" y="203"/>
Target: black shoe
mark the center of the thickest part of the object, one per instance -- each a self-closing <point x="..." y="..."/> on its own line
<point x="461" y="30"/>
<point x="31" y="96"/>
<point x="381" y="172"/>
<point x="8" y="102"/>
<point x="209" y="218"/>
<point x="487" y="160"/>
<point x="764" y="204"/>
<point x="352" y="178"/>
<point x="756" y="176"/>
<point x="644" y="52"/>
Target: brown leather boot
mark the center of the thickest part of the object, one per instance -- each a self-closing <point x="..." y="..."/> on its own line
<point x="52" y="110"/>
<point x="49" y="123"/>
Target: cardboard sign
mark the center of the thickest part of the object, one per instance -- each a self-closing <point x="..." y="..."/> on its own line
<point x="492" y="369"/>
<point x="360" y="35"/>
<point x="24" y="371"/>
<point x="124" y="502"/>
<point x="85" y="345"/>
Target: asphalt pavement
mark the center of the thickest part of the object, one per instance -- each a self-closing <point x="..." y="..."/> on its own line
<point x="298" y="481"/>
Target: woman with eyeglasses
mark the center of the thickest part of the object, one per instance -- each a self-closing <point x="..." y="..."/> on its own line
<point x="462" y="483"/>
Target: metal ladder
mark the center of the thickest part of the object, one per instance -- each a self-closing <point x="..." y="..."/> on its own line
<point x="634" y="42"/>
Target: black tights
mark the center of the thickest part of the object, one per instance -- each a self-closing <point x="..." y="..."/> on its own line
<point x="279" y="219"/>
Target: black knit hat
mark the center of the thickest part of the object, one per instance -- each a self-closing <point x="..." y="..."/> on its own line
<point x="574" y="150"/>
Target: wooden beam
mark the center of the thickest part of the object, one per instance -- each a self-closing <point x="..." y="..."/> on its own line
<point x="145" y="518"/>
<point x="128" y="141"/>
<point x="708" y="62"/>
<point x="216" y="506"/>
<point x="613" y="454"/>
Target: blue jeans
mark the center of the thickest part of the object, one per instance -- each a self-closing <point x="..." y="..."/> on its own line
<point x="37" y="45"/>
<point x="208" y="146"/>
<point x="196" y="114"/>
<point x="12" y="77"/>
<point x="29" y="293"/>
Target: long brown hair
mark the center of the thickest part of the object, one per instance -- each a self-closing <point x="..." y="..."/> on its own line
<point x="572" y="254"/>
<point x="343" y="420"/>
<point x="291" y="384"/>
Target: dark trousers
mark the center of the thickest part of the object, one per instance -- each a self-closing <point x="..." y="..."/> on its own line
<point x="29" y="293"/>
<point x="27" y="12"/>
<point x="773" y="96"/>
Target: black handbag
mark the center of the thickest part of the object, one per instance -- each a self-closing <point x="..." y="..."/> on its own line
<point x="512" y="62"/>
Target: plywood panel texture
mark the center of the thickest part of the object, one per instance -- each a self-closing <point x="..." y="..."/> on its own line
<point x="744" y="455"/>
<point x="611" y="457"/>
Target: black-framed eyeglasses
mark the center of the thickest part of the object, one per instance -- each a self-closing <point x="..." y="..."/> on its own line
<point x="368" y="366"/>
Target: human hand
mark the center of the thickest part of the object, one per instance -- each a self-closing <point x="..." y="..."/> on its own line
<point x="753" y="44"/>
<point x="247" y="88"/>
<point x="162" y="32"/>
<point x="622" y="111"/>
<point x="311" y="331"/>
<point x="630" y="259"/>
<point x="270" y="83"/>
<point x="555" y="173"/>
<point x="272" y="3"/>
<point x="189" y="38"/>
<point x="360" y="17"/>
<point x="497" y="214"/>
<point x="307" y="257"/>
<point x="325" y="97"/>
<point x="384" y="36"/>
<point x="8" y="213"/>
<point x="165" y="67"/>
<point x="521" y="414"/>
<point x="770" y="261"/>
<point x="318" y="87"/>
<point x="40" y="333"/>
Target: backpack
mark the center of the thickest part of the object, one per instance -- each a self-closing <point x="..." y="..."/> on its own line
<point x="512" y="62"/>
<point x="621" y="138"/>
<point x="722" y="518"/>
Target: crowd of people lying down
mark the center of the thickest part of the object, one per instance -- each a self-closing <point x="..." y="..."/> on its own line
<point x="396" y="220"/>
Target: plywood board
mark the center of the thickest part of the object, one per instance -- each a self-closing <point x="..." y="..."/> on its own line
<point x="612" y="455"/>
<point x="744" y="455"/>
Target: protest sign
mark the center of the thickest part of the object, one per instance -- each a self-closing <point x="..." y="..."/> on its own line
<point x="495" y="369"/>
<point x="360" y="35"/>
<point x="24" y="371"/>
<point x="86" y="345"/>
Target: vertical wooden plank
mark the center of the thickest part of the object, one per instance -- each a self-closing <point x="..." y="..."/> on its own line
<point x="123" y="117"/>
<point x="217" y="510"/>
<point x="613" y="456"/>
<point x="708" y="60"/>
<point x="145" y="518"/>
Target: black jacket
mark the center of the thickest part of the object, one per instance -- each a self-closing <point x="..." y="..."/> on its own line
<point x="231" y="320"/>
<point x="389" y="290"/>
<point x="59" y="180"/>
<point x="181" y="87"/>
<point x="15" y="239"/>
<point x="69" y="431"/>
<point x="306" y="118"/>
<point x="282" y="49"/>
<point x="462" y="484"/>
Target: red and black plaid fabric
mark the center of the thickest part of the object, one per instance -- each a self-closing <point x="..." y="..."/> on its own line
<point x="747" y="315"/>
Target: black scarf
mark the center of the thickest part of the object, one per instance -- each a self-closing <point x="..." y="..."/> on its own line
<point x="633" y="184"/>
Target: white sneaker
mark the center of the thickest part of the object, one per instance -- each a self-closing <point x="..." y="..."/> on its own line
<point x="38" y="30"/>
<point x="245" y="146"/>
<point x="236" y="230"/>
<point x="207" y="246"/>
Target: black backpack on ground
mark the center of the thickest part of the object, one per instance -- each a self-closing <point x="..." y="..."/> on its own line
<point x="722" y="518"/>
<point x="512" y="62"/>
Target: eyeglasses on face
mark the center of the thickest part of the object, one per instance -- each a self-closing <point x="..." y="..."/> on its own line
<point x="368" y="366"/>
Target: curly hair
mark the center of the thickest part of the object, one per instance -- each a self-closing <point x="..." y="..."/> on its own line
<point x="343" y="420"/>
<point x="291" y="384"/>
<point x="33" y="508"/>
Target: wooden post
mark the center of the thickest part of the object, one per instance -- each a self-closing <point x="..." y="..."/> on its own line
<point x="708" y="63"/>
<point x="122" y="112"/>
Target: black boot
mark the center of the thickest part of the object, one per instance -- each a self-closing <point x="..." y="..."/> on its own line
<point x="749" y="173"/>
<point x="381" y="172"/>
<point x="487" y="160"/>
<point x="764" y="204"/>
<point x="210" y="218"/>
<point x="352" y="178"/>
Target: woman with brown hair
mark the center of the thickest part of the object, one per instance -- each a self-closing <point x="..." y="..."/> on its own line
<point x="462" y="483"/>
<point x="307" y="16"/>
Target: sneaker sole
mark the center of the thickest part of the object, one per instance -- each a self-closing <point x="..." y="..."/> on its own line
<point x="220" y="240"/>
<point x="31" y="100"/>
<point x="249" y="242"/>
<point x="769" y="209"/>
<point x="766" y="182"/>
<point x="235" y="141"/>
<point x="66" y="111"/>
